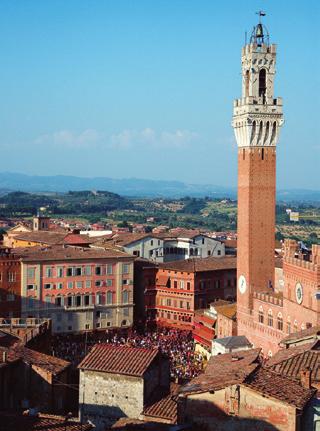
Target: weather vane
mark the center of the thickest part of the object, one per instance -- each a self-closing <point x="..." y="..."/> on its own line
<point x="260" y="13"/>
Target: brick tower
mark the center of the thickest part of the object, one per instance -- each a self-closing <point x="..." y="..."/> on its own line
<point x="257" y="119"/>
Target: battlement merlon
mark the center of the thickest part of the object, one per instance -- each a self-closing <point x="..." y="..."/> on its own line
<point x="252" y="48"/>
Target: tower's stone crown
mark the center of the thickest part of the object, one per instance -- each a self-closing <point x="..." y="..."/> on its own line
<point x="257" y="116"/>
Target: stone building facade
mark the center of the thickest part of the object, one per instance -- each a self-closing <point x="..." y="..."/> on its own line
<point x="119" y="381"/>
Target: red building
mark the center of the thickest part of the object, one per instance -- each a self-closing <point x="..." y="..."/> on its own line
<point x="10" y="284"/>
<point x="78" y="288"/>
<point x="182" y="287"/>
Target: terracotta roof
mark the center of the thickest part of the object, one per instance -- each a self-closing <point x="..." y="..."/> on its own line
<point x="276" y="386"/>
<point x="227" y="310"/>
<point x="119" y="359"/>
<point x="59" y="252"/>
<point x="48" y="363"/>
<point x="43" y="422"/>
<point x="290" y="362"/>
<point x="224" y="370"/>
<point x="309" y="333"/>
<point x="76" y="239"/>
<point x="165" y="408"/>
<point x="201" y="264"/>
<point x="43" y="237"/>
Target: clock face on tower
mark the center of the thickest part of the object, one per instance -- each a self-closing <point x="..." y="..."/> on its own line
<point x="299" y="293"/>
<point x="242" y="284"/>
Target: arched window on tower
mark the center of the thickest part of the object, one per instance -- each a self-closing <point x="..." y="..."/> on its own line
<point x="262" y="84"/>
<point x="288" y="325"/>
<point x="270" y="318"/>
<point x="261" y="315"/>
<point x="247" y="81"/>
<point x="280" y="322"/>
<point x="295" y="326"/>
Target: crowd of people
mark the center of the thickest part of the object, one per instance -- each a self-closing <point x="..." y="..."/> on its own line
<point x="178" y="345"/>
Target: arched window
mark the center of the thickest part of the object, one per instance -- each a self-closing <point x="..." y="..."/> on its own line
<point x="261" y="315"/>
<point x="125" y="297"/>
<point x="247" y="81"/>
<point x="270" y="354"/>
<point x="288" y="325"/>
<point x="262" y="83"/>
<point x="99" y="299"/>
<point x="270" y="318"/>
<point x="295" y="326"/>
<point x="280" y="322"/>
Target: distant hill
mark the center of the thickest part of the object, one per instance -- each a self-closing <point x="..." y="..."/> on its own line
<point x="64" y="203"/>
<point x="134" y="187"/>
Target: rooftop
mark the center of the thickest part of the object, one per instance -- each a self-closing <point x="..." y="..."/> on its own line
<point x="107" y="358"/>
<point x="201" y="264"/>
<point x="20" y="422"/>
<point x="227" y="310"/>
<point x="234" y="342"/>
<point x="59" y="252"/>
<point x="224" y="370"/>
<point x="269" y="383"/>
<point x="303" y="335"/>
<point x="291" y="362"/>
<point x="163" y="408"/>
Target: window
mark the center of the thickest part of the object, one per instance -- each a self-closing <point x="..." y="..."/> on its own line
<point x="151" y="242"/>
<point x="70" y="284"/>
<point x="270" y="318"/>
<point x="49" y="271"/>
<point x="60" y="272"/>
<point x="136" y="253"/>
<point x="175" y="284"/>
<point x="58" y="301"/>
<point x="126" y="311"/>
<point x="109" y="297"/>
<point x="181" y="304"/>
<point x="125" y="297"/>
<point x="109" y="269"/>
<point x="31" y="273"/>
<point x="30" y="286"/>
<point x="124" y="282"/>
<point x="98" y="283"/>
<point x="188" y="285"/>
<point x="78" y="270"/>
<point x="219" y="252"/>
<point x="47" y="285"/>
<point x="262" y="83"/>
<point x="88" y="270"/>
<point x="125" y="268"/>
<point x="280" y="322"/>
<point x="181" y="284"/>
<point x="70" y="271"/>
<point x="295" y="326"/>
<point x="79" y="284"/>
<point x="11" y="277"/>
<point x="109" y="282"/>
<point x="169" y="302"/>
<point x="10" y="297"/>
<point x="98" y="270"/>
<point x="59" y="285"/>
<point x="87" y="326"/>
<point x="78" y="300"/>
<point x="86" y="299"/>
<point x="69" y="302"/>
<point x="88" y="284"/>
<point x="188" y="305"/>
<point x="288" y="325"/>
<point x="99" y="299"/>
<point x="261" y="315"/>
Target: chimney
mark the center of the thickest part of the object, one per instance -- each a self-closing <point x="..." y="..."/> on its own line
<point x="305" y="378"/>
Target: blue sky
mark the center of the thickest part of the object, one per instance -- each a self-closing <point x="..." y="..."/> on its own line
<point x="135" y="88"/>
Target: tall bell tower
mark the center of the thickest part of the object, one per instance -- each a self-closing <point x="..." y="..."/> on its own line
<point x="257" y="118"/>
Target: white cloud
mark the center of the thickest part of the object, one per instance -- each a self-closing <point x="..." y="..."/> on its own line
<point x="126" y="139"/>
<point x="150" y="138"/>
<point x="69" y="138"/>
